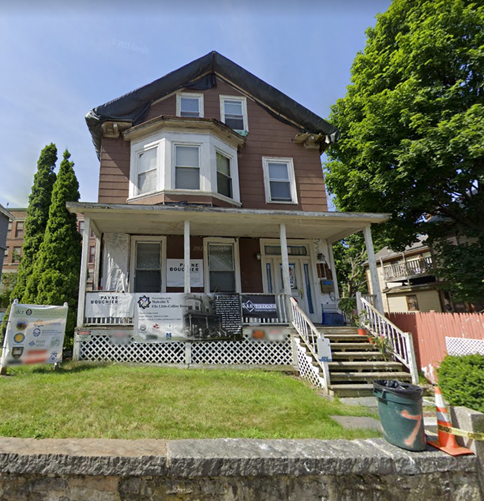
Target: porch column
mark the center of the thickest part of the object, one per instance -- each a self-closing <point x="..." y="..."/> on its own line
<point x="332" y="265"/>
<point x="285" y="261"/>
<point x="375" y="283"/>
<point x="97" y="264"/>
<point x="81" y="304"/>
<point x="187" y="256"/>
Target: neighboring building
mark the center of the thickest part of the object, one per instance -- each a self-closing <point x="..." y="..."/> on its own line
<point x="15" y="240"/>
<point x="213" y="166"/>
<point x="5" y="221"/>
<point x="408" y="281"/>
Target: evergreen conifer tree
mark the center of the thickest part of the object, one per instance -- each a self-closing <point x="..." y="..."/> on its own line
<point x="55" y="278"/>
<point x="36" y="220"/>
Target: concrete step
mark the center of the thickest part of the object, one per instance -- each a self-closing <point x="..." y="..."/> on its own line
<point x="351" y="390"/>
<point x="369" y="376"/>
<point x="337" y="330"/>
<point x="370" y="365"/>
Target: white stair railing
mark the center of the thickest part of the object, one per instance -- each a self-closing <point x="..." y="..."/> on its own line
<point x="400" y="342"/>
<point x="310" y="335"/>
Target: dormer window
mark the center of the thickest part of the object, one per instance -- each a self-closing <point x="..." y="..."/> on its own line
<point x="189" y="105"/>
<point x="233" y="111"/>
<point x="146" y="163"/>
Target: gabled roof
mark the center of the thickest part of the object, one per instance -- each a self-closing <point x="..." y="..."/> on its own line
<point x="199" y="74"/>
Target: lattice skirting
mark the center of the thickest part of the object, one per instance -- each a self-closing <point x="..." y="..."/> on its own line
<point x="306" y="369"/>
<point x="458" y="346"/>
<point x="244" y="352"/>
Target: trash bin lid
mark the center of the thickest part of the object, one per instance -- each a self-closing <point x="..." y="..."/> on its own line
<point x="399" y="388"/>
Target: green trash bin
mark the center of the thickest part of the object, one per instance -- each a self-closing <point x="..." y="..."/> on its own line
<point x="400" y="411"/>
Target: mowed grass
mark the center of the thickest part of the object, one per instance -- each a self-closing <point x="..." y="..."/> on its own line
<point x="134" y="402"/>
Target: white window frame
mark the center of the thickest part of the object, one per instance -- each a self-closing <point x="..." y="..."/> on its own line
<point x="136" y="149"/>
<point x="132" y="266"/>
<point x="200" y="177"/>
<point x="189" y="95"/>
<point x="241" y="99"/>
<point x="290" y="173"/>
<point x="231" y="161"/>
<point x="206" y="271"/>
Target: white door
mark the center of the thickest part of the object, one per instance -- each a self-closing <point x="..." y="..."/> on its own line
<point x="300" y="278"/>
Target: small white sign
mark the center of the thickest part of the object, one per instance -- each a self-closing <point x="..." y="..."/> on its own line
<point x="175" y="269"/>
<point x="324" y="350"/>
<point x="109" y="304"/>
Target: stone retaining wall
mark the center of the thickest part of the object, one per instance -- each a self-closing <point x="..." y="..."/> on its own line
<point x="231" y="470"/>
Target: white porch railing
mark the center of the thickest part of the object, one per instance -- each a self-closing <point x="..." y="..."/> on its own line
<point x="401" y="342"/>
<point x="414" y="267"/>
<point x="309" y="335"/>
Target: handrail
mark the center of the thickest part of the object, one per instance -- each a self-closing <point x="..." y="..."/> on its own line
<point x="309" y="334"/>
<point x="401" y="342"/>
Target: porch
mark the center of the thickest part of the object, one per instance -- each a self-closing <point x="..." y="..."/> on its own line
<point x="190" y="255"/>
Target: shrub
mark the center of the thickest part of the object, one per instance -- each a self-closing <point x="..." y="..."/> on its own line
<point x="461" y="380"/>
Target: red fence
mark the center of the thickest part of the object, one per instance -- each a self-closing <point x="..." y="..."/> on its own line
<point x="429" y="331"/>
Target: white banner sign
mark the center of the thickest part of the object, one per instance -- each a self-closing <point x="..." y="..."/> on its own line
<point x="175" y="269"/>
<point x="109" y="304"/>
<point x="35" y="335"/>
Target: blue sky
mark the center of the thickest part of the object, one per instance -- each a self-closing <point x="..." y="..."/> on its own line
<point x="58" y="60"/>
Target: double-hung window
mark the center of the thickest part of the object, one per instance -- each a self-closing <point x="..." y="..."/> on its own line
<point x="189" y="105"/>
<point x="187" y="167"/>
<point x="234" y="112"/>
<point x="147" y="176"/>
<point x="279" y="180"/>
<point x="147" y="270"/>
<point x="221" y="267"/>
<point x="224" y="179"/>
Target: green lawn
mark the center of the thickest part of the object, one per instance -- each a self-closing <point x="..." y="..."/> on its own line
<point x="133" y="402"/>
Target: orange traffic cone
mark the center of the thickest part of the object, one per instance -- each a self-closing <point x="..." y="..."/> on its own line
<point x="447" y="442"/>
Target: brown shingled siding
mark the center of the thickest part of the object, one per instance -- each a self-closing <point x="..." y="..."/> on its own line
<point x="267" y="137"/>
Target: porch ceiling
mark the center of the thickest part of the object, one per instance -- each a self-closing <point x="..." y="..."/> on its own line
<point x="209" y="221"/>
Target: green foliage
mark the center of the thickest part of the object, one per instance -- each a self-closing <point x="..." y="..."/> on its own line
<point x="412" y="126"/>
<point x="349" y="257"/>
<point x="9" y="280"/>
<point x="55" y="277"/>
<point x="461" y="380"/>
<point x="36" y="220"/>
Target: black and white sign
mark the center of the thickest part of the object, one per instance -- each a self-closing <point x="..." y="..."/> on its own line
<point x="175" y="272"/>
<point x="186" y="317"/>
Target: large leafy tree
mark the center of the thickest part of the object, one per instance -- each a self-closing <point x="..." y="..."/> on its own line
<point x="36" y="220"/>
<point x="55" y="277"/>
<point x="412" y="127"/>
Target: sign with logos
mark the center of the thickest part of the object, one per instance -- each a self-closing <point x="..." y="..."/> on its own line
<point x="175" y="272"/>
<point x="258" y="306"/>
<point x="324" y="350"/>
<point x="186" y="317"/>
<point x="109" y="304"/>
<point x="35" y="335"/>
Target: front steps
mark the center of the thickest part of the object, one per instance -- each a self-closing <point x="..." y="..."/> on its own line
<point x="357" y="363"/>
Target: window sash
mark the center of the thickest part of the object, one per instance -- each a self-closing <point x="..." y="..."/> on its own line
<point x="221" y="266"/>
<point x="234" y="114"/>
<point x="148" y="262"/>
<point x="224" y="180"/>
<point x="189" y="107"/>
<point x="187" y="167"/>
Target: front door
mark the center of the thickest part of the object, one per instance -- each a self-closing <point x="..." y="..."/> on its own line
<point x="300" y="278"/>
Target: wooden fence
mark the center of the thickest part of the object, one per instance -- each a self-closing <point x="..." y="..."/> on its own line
<point x="430" y="330"/>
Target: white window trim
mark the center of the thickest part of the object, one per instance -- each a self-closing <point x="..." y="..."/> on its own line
<point x="174" y="166"/>
<point x="148" y="238"/>
<point x="241" y="99"/>
<point x="179" y="95"/>
<point x="291" y="176"/>
<point x="206" y="271"/>
<point x="231" y="162"/>
<point x="165" y="142"/>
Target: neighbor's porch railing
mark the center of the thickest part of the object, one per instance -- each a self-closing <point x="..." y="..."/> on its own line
<point x="401" y="342"/>
<point x="410" y="268"/>
<point x="310" y="335"/>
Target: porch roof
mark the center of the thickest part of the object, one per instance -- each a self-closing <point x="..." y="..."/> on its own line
<point x="223" y="222"/>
